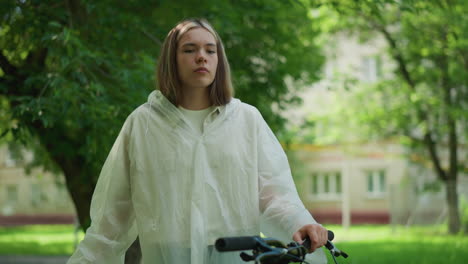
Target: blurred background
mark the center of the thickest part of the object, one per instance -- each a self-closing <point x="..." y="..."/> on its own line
<point x="368" y="98"/>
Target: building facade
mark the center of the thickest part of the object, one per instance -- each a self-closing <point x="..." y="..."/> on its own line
<point x="372" y="183"/>
<point x="31" y="196"/>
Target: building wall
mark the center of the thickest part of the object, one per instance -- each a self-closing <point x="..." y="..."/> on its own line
<point x="402" y="200"/>
<point x="31" y="193"/>
<point x="367" y="200"/>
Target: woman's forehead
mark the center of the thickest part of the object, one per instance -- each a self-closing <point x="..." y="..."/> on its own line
<point x="197" y="36"/>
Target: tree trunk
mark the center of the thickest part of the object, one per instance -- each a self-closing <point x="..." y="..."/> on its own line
<point x="133" y="254"/>
<point x="452" y="202"/>
<point x="81" y="194"/>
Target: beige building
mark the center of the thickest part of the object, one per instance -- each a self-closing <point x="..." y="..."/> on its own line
<point x="367" y="183"/>
<point x="31" y="196"/>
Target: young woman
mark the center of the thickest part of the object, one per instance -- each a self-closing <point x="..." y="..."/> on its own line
<point x="191" y="165"/>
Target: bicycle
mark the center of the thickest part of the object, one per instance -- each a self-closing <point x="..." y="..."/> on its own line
<point x="271" y="250"/>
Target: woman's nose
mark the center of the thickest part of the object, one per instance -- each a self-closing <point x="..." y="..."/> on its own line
<point x="201" y="57"/>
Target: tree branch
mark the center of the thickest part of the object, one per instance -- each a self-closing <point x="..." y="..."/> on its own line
<point x="453" y="147"/>
<point x="37" y="58"/>
<point x="422" y="115"/>
<point x="7" y="67"/>
<point x="77" y="13"/>
<point x="448" y="101"/>
<point x="397" y="55"/>
<point x="152" y="37"/>
<point x="435" y="157"/>
<point x="12" y="79"/>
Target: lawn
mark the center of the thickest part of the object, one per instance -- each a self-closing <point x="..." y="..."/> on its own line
<point x="38" y="240"/>
<point x="385" y="245"/>
<point x="364" y="244"/>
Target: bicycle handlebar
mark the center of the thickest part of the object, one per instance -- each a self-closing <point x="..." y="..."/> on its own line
<point x="251" y="242"/>
<point x="237" y="243"/>
<point x="265" y="249"/>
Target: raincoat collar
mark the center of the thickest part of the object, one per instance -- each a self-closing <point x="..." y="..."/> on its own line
<point x="158" y="101"/>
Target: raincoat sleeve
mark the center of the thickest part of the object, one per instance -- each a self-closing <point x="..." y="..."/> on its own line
<point x="279" y="201"/>
<point x="283" y="213"/>
<point x="113" y="227"/>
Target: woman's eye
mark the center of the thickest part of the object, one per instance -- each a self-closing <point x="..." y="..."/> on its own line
<point x="211" y="52"/>
<point x="188" y="51"/>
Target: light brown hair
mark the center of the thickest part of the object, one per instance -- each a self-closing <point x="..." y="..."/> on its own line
<point x="221" y="90"/>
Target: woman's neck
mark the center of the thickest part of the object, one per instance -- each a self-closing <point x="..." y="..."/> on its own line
<point x="195" y="100"/>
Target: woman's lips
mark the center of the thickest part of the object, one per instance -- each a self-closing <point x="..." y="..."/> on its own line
<point x="201" y="69"/>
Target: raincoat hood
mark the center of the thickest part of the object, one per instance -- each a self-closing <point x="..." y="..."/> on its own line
<point x="157" y="100"/>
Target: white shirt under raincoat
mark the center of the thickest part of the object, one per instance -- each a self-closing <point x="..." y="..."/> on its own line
<point x="179" y="191"/>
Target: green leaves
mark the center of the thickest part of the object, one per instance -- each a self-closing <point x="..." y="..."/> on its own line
<point x="425" y="42"/>
<point x="72" y="71"/>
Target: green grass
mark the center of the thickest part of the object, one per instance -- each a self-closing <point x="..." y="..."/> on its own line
<point x="384" y="245"/>
<point x="364" y="244"/>
<point x="38" y="240"/>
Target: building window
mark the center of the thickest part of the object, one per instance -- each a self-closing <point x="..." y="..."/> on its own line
<point x="326" y="185"/>
<point x="314" y="184"/>
<point x="370" y="68"/>
<point x="326" y="179"/>
<point x="9" y="161"/>
<point x="376" y="183"/>
<point x="338" y="182"/>
<point x="35" y="194"/>
<point x="12" y="194"/>
<point x="62" y="194"/>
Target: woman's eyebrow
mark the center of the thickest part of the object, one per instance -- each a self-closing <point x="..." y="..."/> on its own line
<point x="195" y="45"/>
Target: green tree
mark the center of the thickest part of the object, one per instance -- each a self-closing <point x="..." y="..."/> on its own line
<point x="425" y="100"/>
<point x="71" y="71"/>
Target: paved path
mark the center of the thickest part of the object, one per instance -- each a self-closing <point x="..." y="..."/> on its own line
<point x="33" y="259"/>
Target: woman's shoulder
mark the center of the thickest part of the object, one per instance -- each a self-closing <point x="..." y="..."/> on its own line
<point x="140" y="111"/>
<point x="247" y="113"/>
<point x="247" y="109"/>
<point x="138" y="114"/>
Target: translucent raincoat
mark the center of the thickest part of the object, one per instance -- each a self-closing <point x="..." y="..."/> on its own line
<point x="180" y="192"/>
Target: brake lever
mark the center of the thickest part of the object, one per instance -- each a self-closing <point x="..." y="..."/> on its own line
<point x="246" y="257"/>
<point x="335" y="251"/>
<point x="329" y="245"/>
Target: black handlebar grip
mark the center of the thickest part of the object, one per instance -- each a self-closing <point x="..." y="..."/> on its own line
<point x="306" y="242"/>
<point x="236" y="243"/>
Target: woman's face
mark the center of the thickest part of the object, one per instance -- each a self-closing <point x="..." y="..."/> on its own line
<point x="197" y="60"/>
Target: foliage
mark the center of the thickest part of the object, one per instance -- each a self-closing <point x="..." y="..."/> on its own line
<point x="423" y="100"/>
<point x="71" y="71"/>
<point x="431" y="40"/>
